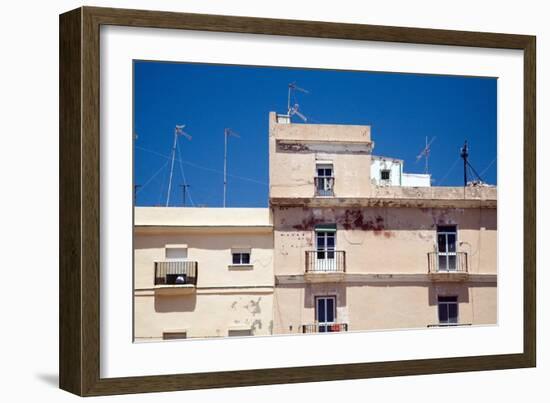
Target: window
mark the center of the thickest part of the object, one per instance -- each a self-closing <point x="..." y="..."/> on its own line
<point x="447" y="310"/>
<point x="174" y="335"/>
<point x="324" y="181"/>
<point x="385" y="174"/>
<point x="325" y="247"/>
<point x="176" y="252"/>
<point x="325" y="313"/>
<point x="239" y="332"/>
<point x="326" y="241"/>
<point x="446" y="247"/>
<point x="241" y="257"/>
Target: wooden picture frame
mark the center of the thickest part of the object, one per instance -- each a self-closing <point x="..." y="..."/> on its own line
<point x="79" y="280"/>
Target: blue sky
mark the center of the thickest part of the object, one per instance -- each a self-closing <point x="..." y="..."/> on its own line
<point x="400" y="108"/>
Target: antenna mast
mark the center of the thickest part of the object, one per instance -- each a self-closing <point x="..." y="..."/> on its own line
<point x="178" y="131"/>
<point x="226" y="133"/>
<point x="425" y="153"/>
<point x="464" y="155"/>
<point x="292" y="87"/>
<point x="184" y="189"/>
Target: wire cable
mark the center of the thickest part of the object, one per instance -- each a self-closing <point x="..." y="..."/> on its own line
<point x="205" y="168"/>
<point x="449" y="171"/>
<point x="152" y="177"/>
<point x="489" y="166"/>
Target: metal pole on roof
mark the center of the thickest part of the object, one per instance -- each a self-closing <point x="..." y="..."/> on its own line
<point x="184" y="189"/>
<point x="171" y="169"/>
<point x="464" y="156"/>
<point x="226" y="133"/>
<point x="293" y="87"/>
<point x="177" y="131"/>
<point x="425" y="153"/>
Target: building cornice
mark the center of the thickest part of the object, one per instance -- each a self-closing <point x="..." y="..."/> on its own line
<point x="256" y="229"/>
<point x="381" y="202"/>
<point x="379" y="278"/>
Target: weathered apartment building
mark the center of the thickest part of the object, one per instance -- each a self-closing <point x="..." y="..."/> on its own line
<point x="350" y="242"/>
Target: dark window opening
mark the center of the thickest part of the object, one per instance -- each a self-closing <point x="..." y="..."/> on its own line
<point x="446" y="247"/>
<point x="448" y="310"/>
<point x="174" y="335"/>
<point x="325" y="313"/>
<point x="241" y="258"/>
<point x="324" y="182"/>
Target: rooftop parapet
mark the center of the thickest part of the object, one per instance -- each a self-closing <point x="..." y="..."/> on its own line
<point x="399" y="196"/>
<point x="325" y="133"/>
<point x="202" y="217"/>
<point x="436" y="192"/>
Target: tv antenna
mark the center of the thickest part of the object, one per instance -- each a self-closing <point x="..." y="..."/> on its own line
<point x="292" y="88"/>
<point x="295" y="110"/>
<point x="184" y="191"/>
<point x="227" y="132"/>
<point x="425" y="153"/>
<point x="464" y="155"/>
<point x="178" y="131"/>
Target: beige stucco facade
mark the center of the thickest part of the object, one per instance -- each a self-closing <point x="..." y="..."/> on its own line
<point x="384" y="270"/>
<point x="294" y="150"/>
<point x="226" y="298"/>
<point x="379" y="304"/>
<point x="333" y="252"/>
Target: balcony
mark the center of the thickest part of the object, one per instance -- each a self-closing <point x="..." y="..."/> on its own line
<point x="448" y="266"/>
<point x="176" y="277"/>
<point x="325" y="265"/>
<point x="324" y="186"/>
<point x="325" y="328"/>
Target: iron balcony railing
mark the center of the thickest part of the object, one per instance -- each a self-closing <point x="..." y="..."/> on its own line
<point x="182" y="272"/>
<point x="325" y="261"/>
<point x="324" y="186"/>
<point x="325" y="328"/>
<point x="450" y="262"/>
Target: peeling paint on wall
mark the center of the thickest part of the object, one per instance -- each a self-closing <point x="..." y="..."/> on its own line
<point x="254" y="306"/>
<point x="355" y="219"/>
<point x="351" y="219"/>
<point x="294" y="147"/>
<point x="256" y="324"/>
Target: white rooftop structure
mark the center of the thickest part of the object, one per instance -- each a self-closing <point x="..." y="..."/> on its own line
<point x="385" y="171"/>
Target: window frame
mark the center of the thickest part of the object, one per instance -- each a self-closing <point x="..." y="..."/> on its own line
<point x="240" y="332"/>
<point x="174" y="332"/>
<point x="448" y="304"/>
<point x="382" y="171"/>
<point x="169" y="249"/>
<point x="447" y="254"/>
<point x="325" y="297"/>
<point x="325" y="250"/>
<point x="326" y="190"/>
<point x="324" y="327"/>
<point x="241" y="254"/>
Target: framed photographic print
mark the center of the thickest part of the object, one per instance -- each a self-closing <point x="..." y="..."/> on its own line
<point x="249" y="201"/>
